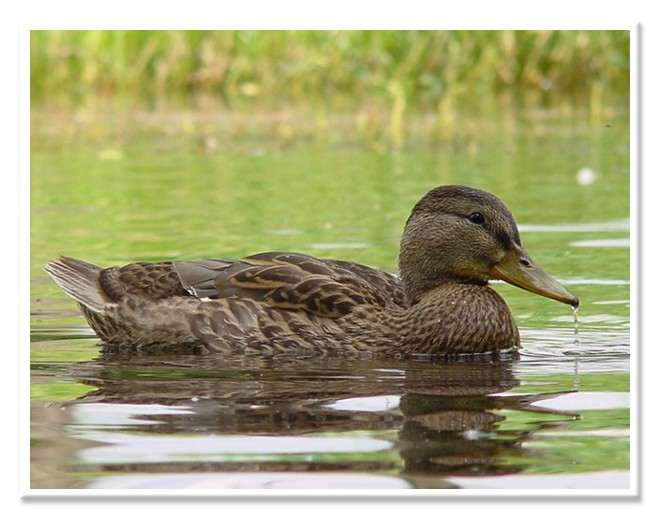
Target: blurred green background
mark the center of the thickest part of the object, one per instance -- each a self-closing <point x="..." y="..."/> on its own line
<point x="421" y="66"/>
<point x="376" y="79"/>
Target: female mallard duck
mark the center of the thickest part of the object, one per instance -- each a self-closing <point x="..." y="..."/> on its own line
<point x="455" y="240"/>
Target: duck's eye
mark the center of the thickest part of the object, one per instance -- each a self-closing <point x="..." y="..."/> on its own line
<point x="477" y="218"/>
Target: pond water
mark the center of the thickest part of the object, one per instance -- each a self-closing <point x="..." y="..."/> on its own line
<point x="113" y="186"/>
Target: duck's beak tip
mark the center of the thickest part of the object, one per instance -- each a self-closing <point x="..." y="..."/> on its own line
<point x="563" y="296"/>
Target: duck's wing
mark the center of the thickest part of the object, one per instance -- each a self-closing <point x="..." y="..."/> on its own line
<point x="386" y="283"/>
<point x="327" y="288"/>
<point x="150" y="280"/>
<point x="322" y="287"/>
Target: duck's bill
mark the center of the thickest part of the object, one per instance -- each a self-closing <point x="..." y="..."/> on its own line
<point x="520" y="270"/>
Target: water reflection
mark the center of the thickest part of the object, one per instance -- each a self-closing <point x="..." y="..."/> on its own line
<point x="422" y="419"/>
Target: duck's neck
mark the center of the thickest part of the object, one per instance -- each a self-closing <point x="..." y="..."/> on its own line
<point x="418" y="289"/>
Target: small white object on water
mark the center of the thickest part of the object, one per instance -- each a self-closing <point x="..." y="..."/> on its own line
<point x="586" y="176"/>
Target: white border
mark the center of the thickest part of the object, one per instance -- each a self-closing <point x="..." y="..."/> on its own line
<point x="340" y="14"/>
<point x="635" y="171"/>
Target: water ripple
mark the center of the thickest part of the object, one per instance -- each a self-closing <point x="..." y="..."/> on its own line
<point x="616" y="225"/>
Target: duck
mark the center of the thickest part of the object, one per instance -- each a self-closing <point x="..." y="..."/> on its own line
<point x="456" y="240"/>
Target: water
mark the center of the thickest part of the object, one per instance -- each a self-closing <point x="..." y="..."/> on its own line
<point x="145" y="186"/>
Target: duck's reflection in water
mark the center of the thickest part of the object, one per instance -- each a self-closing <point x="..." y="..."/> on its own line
<point x="440" y="417"/>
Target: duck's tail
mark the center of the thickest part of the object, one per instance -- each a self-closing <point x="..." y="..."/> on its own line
<point x="80" y="280"/>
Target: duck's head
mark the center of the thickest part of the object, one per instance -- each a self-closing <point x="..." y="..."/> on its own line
<point x="467" y="235"/>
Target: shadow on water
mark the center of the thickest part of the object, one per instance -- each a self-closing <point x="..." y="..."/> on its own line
<point x="422" y="419"/>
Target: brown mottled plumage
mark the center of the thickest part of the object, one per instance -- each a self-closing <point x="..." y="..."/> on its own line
<point x="455" y="240"/>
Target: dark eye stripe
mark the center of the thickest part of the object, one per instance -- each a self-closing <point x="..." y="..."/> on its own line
<point x="504" y="239"/>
